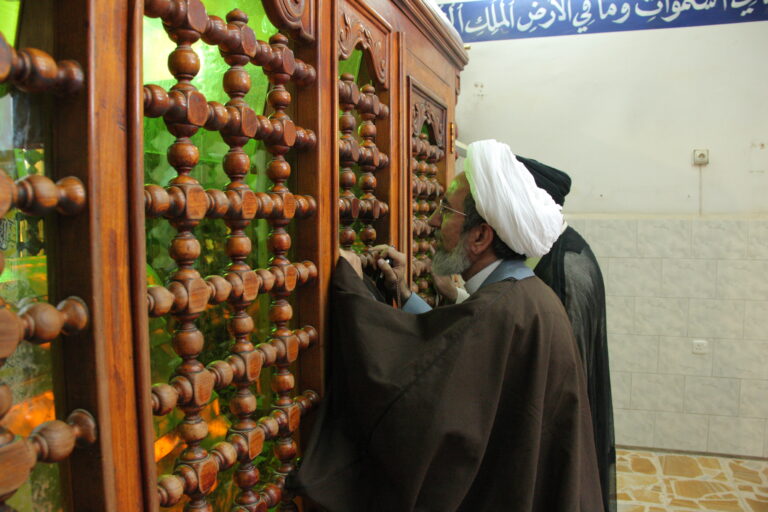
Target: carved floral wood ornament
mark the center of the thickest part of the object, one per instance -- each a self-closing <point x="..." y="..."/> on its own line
<point x="296" y="16"/>
<point x="368" y="34"/>
<point x="429" y="112"/>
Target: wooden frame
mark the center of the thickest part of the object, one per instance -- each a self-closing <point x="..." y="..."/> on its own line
<point x="90" y="137"/>
<point x="100" y="255"/>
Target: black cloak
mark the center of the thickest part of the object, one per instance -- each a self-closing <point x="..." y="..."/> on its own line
<point x="571" y="270"/>
<point x="473" y="407"/>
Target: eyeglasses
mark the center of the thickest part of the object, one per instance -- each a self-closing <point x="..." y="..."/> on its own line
<point x="443" y="205"/>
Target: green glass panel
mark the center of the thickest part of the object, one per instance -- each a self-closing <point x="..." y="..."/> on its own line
<point x="9" y="20"/>
<point x="352" y="64"/>
<point x="24" y="280"/>
<point x="212" y="233"/>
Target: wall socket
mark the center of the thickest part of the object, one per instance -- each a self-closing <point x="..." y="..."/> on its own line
<point x="700" y="157"/>
<point x="700" y="347"/>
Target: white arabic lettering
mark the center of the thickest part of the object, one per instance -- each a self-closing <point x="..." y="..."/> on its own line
<point x="494" y="19"/>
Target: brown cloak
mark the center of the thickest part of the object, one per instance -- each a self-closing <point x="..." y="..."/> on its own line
<point x="479" y="406"/>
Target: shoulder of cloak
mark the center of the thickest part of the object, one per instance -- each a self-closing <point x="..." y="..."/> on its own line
<point x="389" y="418"/>
<point x="380" y="351"/>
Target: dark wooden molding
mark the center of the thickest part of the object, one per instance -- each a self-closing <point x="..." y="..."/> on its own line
<point x="363" y="28"/>
<point x="89" y="257"/>
<point x="138" y="251"/>
<point x="297" y="17"/>
<point x="436" y="29"/>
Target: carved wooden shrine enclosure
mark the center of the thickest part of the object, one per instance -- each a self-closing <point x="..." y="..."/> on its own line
<point x="176" y="179"/>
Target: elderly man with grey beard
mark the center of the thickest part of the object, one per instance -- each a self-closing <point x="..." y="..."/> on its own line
<point x="478" y="406"/>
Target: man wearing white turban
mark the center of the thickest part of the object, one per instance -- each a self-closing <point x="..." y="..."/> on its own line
<point x="479" y="406"/>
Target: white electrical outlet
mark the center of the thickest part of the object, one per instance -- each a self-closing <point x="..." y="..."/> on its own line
<point x="700" y="156"/>
<point x="700" y="347"/>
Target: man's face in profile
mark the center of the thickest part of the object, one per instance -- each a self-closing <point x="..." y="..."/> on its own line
<point x="448" y="220"/>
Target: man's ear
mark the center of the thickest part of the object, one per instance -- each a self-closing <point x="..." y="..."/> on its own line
<point x="480" y="239"/>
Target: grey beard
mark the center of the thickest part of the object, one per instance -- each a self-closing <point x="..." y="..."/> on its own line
<point x="455" y="261"/>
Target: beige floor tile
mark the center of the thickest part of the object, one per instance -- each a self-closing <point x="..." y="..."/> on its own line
<point x="643" y="465"/>
<point x="680" y="465"/>
<point x="686" y="504"/>
<point x="757" y="506"/>
<point x="696" y="489"/>
<point x="744" y="474"/>
<point x="634" y="481"/>
<point x="631" y="508"/>
<point x="648" y="496"/>
<point x="709" y="462"/>
<point x="725" y="505"/>
<point x="670" y="482"/>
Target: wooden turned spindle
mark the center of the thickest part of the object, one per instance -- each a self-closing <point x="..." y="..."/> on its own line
<point x="159" y="300"/>
<point x="40" y="323"/>
<point x="185" y="20"/>
<point x="426" y="193"/>
<point x="283" y="347"/>
<point x="306" y="206"/>
<point x="223" y="372"/>
<point x="185" y="204"/>
<point x="179" y="16"/>
<point x="170" y="489"/>
<point x="165" y="398"/>
<point x="349" y="154"/>
<point x="38" y="195"/>
<point x="196" y="476"/>
<point x="189" y="295"/>
<point x="34" y="71"/>
<point x="52" y="441"/>
<point x="304" y="74"/>
<point x="243" y="366"/>
<point x="306" y="139"/>
<point x="307" y="401"/>
<point x="371" y="160"/>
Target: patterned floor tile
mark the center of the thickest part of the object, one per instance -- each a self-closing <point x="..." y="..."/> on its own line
<point x="674" y="482"/>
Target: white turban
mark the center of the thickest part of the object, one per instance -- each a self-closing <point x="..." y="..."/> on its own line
<point x="524" y="216"/>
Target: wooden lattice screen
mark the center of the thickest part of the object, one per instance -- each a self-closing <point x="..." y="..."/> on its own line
<point x="196" y="167"/>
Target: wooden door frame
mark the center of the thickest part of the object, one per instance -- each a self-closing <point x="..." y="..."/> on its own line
<point x="97" y="139"/>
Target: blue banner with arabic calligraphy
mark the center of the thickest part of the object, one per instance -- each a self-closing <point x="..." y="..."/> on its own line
<point x="489" y="20"/>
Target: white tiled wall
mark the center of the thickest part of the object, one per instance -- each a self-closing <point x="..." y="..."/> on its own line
<point x="670" y="281"/>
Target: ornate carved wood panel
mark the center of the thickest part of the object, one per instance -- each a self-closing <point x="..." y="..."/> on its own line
<point x="428" y="141"/>
<point x="184" y="203"/>
<point x="362" y="109"/>
<point x="189" y="238"/>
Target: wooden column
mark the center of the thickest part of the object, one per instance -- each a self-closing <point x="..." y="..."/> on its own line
<point x="89" y="257"/>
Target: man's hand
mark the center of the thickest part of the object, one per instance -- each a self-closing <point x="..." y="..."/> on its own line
<point x="393" y="272"/>
<point x="446" y="287"/>
<point x="354" y="260"/>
